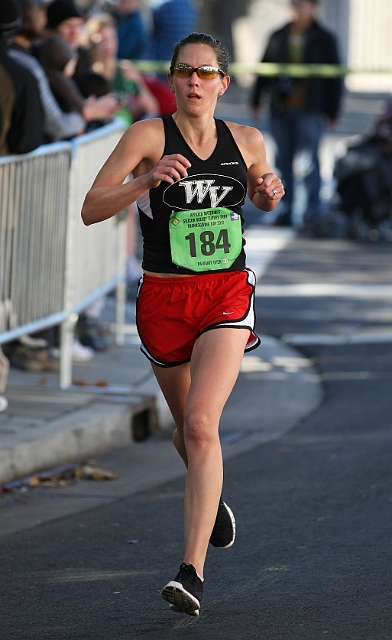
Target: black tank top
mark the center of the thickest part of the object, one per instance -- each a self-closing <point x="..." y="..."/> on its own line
<point x="219" y="181"/>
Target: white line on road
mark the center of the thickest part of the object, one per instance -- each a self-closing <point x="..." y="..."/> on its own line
<point x="322" y="289"/>
<point x="304" y="339"/>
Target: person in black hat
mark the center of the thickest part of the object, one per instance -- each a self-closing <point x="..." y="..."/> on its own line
<point x="65" y="19"/>
<point x="21" y="112"/>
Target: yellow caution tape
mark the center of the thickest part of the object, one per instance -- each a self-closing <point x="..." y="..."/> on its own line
<point x="271" y="69"/>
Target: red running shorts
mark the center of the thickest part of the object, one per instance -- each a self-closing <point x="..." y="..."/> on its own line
<point x="171" y="313"/>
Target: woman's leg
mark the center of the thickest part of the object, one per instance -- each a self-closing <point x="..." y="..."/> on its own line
<point x="196" y="396"/>
<point x="215" y="365"/>
<point x="174" y="383"/>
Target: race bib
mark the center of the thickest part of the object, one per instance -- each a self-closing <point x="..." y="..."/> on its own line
<point x="205" y="239"/>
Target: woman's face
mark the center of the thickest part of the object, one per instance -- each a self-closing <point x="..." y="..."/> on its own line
<point x="108" y="42"/>
<point x="194" y="93"/>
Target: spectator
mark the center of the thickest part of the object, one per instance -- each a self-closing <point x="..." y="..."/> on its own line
<point x="21" y="108"/>
<point x="300" y="106"/>
<point x="65" y="19"/>
<point x="131" y="31"/>
<point x="172" y="20"/>
<point x="128" y="84"/>
<point x="58" y="125"/>
<point x="59" y="60"/>
<point x="150" y="93"/>
<point x="93" y="85"/>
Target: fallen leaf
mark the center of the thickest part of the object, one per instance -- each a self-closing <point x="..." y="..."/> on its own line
<point x="34" y="481"/>
<point x="89" y="472"/>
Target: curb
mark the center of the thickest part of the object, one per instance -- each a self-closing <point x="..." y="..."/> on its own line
<point x="90" y="431"/>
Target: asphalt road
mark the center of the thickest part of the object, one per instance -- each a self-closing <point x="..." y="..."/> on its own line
<point x="350" y="273"/>
<point x="313" y="555"/>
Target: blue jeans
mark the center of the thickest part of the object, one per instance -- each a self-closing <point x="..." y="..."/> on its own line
<point x="297" y="134"/>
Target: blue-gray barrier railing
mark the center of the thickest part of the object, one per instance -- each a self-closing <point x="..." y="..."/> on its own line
<point x="51" y="265"/>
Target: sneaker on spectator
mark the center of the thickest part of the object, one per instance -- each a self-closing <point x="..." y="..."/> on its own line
<point x="3" y="403"/>
<point x="223" y="533"/>
<point x="184" y="592"/>
<point x="81" y="353"/>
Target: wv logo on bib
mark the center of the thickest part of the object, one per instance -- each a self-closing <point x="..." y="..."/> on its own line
<point x="208" y="190"/>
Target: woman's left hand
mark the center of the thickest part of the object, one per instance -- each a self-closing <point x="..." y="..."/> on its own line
<point x="270" y="186"/>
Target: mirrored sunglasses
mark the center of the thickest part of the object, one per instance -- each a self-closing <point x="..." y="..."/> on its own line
<point x="205" y="72"/>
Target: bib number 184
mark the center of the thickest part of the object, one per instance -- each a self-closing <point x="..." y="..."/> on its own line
<point x="205" y="239"/>
<point x="207" y="243"/>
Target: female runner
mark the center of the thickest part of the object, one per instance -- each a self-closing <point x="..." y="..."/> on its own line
<point x="195" y="313"/>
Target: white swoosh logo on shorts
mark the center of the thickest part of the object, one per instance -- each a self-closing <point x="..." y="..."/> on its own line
<point x="227" y="313"/>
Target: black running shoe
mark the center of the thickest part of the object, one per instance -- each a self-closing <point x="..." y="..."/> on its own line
<point x="223" y="533"/>
<point x="184" y="592"/>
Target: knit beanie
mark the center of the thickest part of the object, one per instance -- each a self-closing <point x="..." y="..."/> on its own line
<point x="60" y="10"/>
<point x="10" y="19"/>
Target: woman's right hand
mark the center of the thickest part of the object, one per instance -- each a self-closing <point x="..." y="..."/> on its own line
<point x="170" y="168"/>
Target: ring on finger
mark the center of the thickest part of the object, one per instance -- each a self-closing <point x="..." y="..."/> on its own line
<point x="275" y="192"/>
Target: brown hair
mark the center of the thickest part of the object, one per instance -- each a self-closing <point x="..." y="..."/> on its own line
<point x="222" y="54"/>
<point x="96" y="23"/>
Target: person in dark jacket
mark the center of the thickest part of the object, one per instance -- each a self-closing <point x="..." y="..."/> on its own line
<point x="21" y="111"/>
<point x="300" y="107"/>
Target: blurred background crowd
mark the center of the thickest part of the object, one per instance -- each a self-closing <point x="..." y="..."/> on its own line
<point x="81" y="57"/>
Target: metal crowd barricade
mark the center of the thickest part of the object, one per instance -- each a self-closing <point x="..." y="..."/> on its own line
<point x="51" y="265"/>
<point x="33" y="222"/>
<point x="95" y="255"/>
